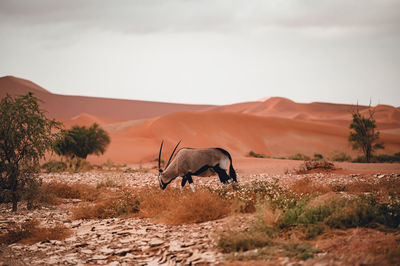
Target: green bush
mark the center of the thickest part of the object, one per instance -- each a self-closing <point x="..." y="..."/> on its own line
<point x="347" y="213"/>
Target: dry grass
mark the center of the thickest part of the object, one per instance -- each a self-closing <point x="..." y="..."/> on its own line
<point x="110" y="204"/>
<point x="173" y="206"/>
<point x="385" y="186"/>
<point x="74" y="191"/>
<point x="306" y="186"/>
<point x="30" y="232"/>
<point x="53" y="193"/>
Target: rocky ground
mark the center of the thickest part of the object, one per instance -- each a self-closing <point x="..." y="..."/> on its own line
<point x="136" y="241"/>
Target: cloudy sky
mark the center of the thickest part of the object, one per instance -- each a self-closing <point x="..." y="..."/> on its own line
<point x="206" y="51"/>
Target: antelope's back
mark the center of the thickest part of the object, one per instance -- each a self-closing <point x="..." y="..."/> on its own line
<point x="191" y="160"/>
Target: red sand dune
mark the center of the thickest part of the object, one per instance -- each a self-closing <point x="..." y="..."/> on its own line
<point x="238" y="133"/>
<point x="87" y="120"/>
<point x="340" y="114"/>
<point x="67" y="107"/>
<point x="273" y="127"/>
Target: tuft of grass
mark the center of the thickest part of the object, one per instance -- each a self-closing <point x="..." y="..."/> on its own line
<point x="30" y="232"/>
<point x="339" y="156"/>
<point x="54" y="167"/>
<point x="384" y="188"/>
<point x="256" y="155"/>
<point x="107" y="184"/>
<point x="247" y="195"/>
<point x="53" y="193"/>
<point x="122" y="203"/>
<point x="74" y="191"/>
<point x="300" y="157"/>
<point x="306" y="186"/>
<point x="231" y="241"/>
<point x="174" y="206"/>
<point x="318" y="156"/>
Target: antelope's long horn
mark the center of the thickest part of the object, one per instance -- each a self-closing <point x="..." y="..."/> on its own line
<point x="169" y="160"/>
<point x="159" y="156"/>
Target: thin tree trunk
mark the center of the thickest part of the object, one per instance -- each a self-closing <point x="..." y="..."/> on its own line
<point x="14" y="192"/>
<point x="14" y="201"/>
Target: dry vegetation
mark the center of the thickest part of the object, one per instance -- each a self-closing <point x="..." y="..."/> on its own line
<point x="30" y="232"/>
<point x="288" y="220"/>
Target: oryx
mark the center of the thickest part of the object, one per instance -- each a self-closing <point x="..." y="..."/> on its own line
<point x="189" y="161"/>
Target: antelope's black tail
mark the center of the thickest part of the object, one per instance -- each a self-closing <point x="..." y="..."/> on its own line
<point x="232" y="173"/>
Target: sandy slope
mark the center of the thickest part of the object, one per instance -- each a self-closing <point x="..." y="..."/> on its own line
<point x="339" y="114"/>
<point x="274" y="127"/>
<point x="238" y="133"/>
<point x="66" y="107"/>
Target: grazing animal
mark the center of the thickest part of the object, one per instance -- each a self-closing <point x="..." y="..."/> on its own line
<point x="189" y="161"/>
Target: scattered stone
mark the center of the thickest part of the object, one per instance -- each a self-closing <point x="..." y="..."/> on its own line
<point x="86" y="251"/>
<point x="99" y="257"/>
<point x="156" y="242"/>
<point x="106" y="250"/>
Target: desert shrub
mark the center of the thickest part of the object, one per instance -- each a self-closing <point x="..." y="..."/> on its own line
<point x="306" y="186"/>
<point x="74" y="191"/>
<point x="346" y="213"/>
<point x="174" y="206"/>
<point x="338" y="156"/>
<point x="107" y="184"/>
<point x="381" y="158"/>
<point x="232" y="241"/>
<point x="249" y="194"/>
<point x="386" y="158"/>
<point x="77" y="164"/>
<point x="318" y="156"/>
<point x="54" y="166"/>
<point x="256" y="155"/>
<point x="312" y="165"/>
<point x="53" y="193"/>
<point x="280" y="157"/>
<point x="5" y="195"/>
<point x="300" y="157"/>
<point x="263" y="237"/>
<point x="30" y="232"/>
<point x="124" y="203"/>
<point x="385" y="187"/>
<point x="366" y="211"/>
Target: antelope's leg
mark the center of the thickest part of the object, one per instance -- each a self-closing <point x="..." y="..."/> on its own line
<point x="223" y="176"/>
<point x="190" y="180"/>
<point x="184" y="180"/>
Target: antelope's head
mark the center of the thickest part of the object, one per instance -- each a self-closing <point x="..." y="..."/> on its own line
<point x="161" y="175"/>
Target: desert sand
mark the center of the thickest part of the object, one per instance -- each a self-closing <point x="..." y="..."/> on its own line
<point x="272" y="126"/>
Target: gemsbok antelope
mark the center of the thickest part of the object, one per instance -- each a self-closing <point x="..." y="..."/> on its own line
<point x="190" y="162"/>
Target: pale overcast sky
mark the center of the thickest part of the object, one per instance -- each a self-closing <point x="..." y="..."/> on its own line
<point x="206" y="51"/>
